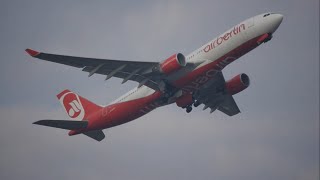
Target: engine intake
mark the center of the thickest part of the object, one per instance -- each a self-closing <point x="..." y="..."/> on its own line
<point x="172" y="64"/>
<point x="237" y="84"/>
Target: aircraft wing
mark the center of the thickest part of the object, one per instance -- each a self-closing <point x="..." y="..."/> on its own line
<point x="229" y="106"/>
<point x="138" y="71"/>
<point x="214" y="96"/>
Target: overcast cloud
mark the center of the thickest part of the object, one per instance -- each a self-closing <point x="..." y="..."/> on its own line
<point x="275" y="137"/>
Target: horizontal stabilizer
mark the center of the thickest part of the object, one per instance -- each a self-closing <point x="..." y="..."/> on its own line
<point x="63" y="124"/>
<point x="97" y="134"/>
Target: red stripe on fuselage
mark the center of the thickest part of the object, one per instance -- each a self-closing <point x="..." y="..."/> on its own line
<point x="195" y="79"/>
<point x="120" y="113"/>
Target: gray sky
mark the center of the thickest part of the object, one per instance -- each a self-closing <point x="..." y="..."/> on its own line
<point x="275" y="137"/>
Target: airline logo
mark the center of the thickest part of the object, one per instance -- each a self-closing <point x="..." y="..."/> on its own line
<point x="225" y="37"/>
<point x="72" y="105"/>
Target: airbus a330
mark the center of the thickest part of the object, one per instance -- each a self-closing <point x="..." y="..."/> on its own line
<point x="188" y="81"/>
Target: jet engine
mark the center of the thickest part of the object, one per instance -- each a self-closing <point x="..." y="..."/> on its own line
<point x="172" y="64"/>
<point x="237" y="84"/>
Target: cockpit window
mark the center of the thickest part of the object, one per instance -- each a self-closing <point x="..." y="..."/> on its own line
<point x="266" y="15"/>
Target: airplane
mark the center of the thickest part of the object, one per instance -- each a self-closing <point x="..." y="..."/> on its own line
<point x="185" y="80"/>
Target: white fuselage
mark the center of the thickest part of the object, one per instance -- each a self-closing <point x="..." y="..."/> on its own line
<point x="216" y="48"/>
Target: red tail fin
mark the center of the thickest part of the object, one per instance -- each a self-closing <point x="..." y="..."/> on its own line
<point x="77" y="107"/>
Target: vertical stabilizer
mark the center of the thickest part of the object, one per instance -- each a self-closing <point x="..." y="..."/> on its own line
<point x="77" y="107"/>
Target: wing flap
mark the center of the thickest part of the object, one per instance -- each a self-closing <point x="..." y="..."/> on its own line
<point x="229" y="106"/>
<point x="126" y="74"/>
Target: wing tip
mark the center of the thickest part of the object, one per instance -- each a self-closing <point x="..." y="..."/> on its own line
<point x="32" y="52"/>
<point x="38" y="122"/>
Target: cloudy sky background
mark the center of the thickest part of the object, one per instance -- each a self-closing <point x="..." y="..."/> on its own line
<point x="275" y="137"/>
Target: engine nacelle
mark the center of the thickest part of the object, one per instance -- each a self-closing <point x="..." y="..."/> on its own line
<point x="172" y="64"/>
<point x="237" y="84"/>
<point x="184" y="100"/>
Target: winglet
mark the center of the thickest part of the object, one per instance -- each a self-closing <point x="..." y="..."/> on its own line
<point x="32" y="53"/>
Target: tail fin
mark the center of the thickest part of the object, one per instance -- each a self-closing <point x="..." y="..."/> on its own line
<point x="77" y="107"/>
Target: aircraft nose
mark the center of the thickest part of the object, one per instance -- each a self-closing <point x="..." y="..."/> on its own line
<point x="278" y="18"/>
<point x="276" y="21"/>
